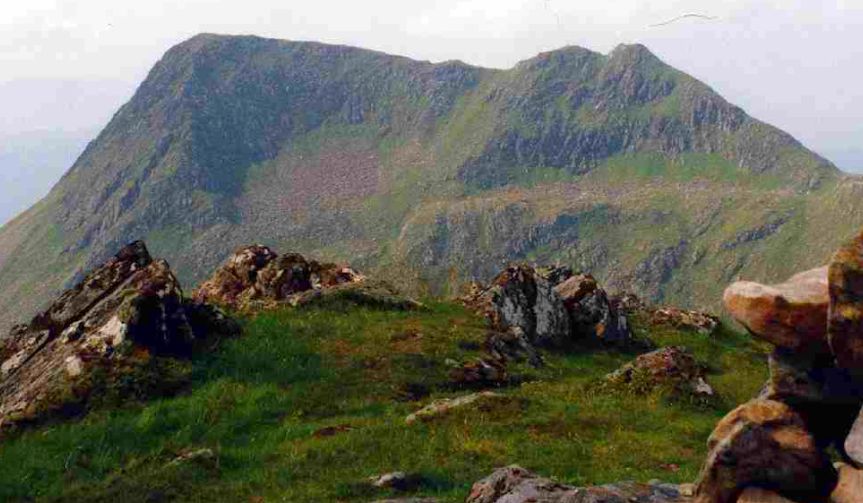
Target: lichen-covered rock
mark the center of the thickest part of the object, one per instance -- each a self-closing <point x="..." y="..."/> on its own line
<point x="114" y="323"/>
<point x="845" y="331"/>
<point x="764" y="444"/>
<point x="685" y="319"/>
<point x="514" y="484"/>
<point x="792" y="315"/>
<point x="258" y="276"/>
<point x="592" y="316"/>
<point x="236" y="276"/>
<point x="699" y="321"/>
<point x="521" y="299"/>
<point x="512" y="345"/>
<point x="672" y="368"/>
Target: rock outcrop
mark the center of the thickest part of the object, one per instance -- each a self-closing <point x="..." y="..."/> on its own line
<point x="672" y="368"/>
<point x="514" y="484"/>
<point x="548" y="307"/>
<point x="521" y="301"/>
<point x="120" y="318"/>
<point x="698" y="321"/>
<point x="258" y="275"/>
<point x="592" y="316"/>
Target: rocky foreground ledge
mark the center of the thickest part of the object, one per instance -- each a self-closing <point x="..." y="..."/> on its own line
<point x="128" y="318"/>
<point x="127" y="331"/>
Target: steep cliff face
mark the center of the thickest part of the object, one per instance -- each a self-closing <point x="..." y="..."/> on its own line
<point x="431" y="173"/>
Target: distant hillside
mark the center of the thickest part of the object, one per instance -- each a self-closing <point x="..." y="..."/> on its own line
<point x="433" y="174"/>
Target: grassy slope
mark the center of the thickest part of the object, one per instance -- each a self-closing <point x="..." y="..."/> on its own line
<point x="257" y="401"/>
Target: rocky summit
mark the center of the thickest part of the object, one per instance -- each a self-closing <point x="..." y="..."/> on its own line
<point x="435" y="175"/>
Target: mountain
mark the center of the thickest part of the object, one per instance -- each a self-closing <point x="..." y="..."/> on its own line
<point x="434" y="174"/>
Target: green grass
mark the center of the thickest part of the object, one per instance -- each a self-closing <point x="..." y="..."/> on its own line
<point x="257" y="400"/>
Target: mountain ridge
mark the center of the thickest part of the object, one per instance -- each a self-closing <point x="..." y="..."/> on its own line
<point x="408" y="167"/>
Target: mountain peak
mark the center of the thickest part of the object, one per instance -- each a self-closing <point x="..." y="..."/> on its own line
<point x="240" y="138"/>
<point x="633" y="55"/>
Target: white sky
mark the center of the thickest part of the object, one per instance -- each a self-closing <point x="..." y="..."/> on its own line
<point x="68" y="64"/>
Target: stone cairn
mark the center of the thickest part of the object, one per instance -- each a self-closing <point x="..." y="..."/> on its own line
<point x="775" y="447"/>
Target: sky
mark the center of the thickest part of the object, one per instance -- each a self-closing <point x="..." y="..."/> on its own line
<point x="67" y="65"/>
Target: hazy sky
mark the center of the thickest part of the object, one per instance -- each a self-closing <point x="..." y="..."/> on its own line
<point x="68" y="64"/>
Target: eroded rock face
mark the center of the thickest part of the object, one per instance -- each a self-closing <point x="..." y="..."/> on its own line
<point x="764" y="444"/>
<point x="258" y="274"/>
<point x="514" y="484"/>
<point x="119" y="317"/>
<point x="592" y="316"/>
<point x="673" y="367"/>
<point x="792" y="315"/>
<point x="845" y="331"/>
<point x="521" y="300"/>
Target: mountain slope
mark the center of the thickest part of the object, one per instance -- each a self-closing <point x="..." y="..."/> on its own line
<point x="435" y="173"/>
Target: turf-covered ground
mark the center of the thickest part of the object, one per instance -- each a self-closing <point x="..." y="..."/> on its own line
<point x="309" y="403"/>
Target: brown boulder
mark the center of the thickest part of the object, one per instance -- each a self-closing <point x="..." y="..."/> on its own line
<point x="256" y="275"/>
<point x="845" y="331"/>
<point x="115" y="321"/>
<point x="764" y="444"/>
<point x="672" y="368"/>
<point x="791" y="315"/>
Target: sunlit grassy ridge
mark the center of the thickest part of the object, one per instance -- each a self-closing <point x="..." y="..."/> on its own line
<point x="258" y="400"/>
